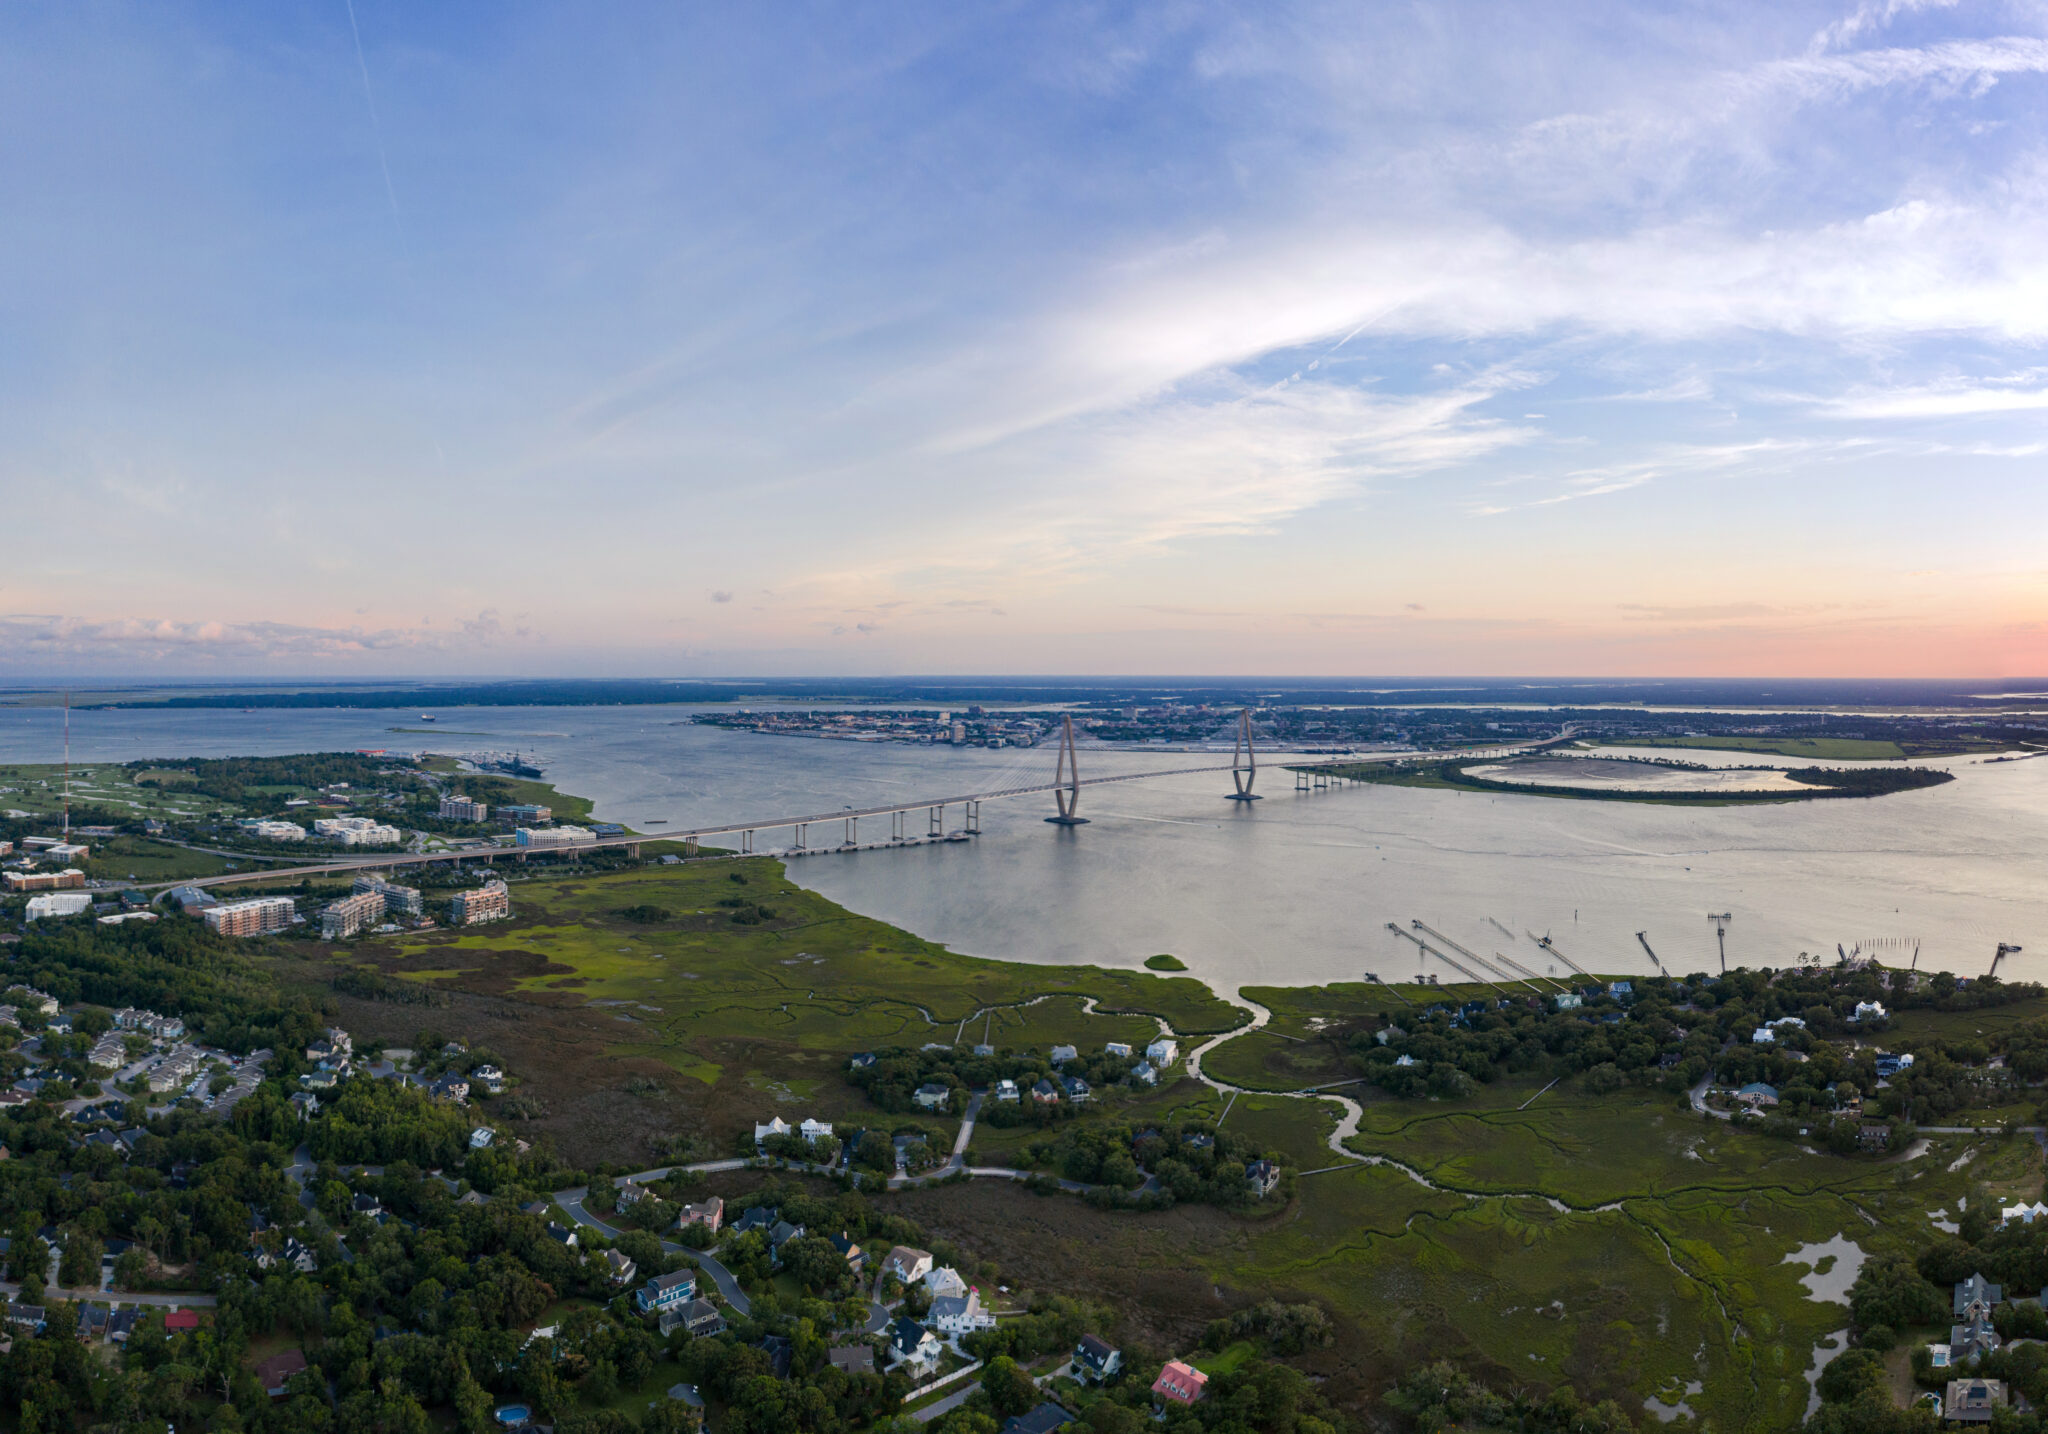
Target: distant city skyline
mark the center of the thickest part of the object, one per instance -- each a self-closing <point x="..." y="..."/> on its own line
<point x="365" y="340"/>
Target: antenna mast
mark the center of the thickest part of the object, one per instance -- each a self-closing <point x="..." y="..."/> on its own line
<point x="67" y="766"/>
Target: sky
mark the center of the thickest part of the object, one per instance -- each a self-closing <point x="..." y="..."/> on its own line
<point x="378" y="339"/>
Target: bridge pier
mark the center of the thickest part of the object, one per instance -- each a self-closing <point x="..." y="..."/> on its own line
<point x="1066" y="792"/>
<point x="937" y="825"/>
<point x="689" y="846"/>
<point x="852" y="834"/>
<point x="633" y="850"/>
<point x="898" y="822"/>
<point x="973" y="819"/>
<point x="746" y="843"/>
<point x="1301" y="781"/>
<point x="1244" y="761"/>
<point x="801" y="834"/>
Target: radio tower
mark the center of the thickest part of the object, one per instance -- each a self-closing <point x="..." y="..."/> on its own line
<point x="67" y="766"/>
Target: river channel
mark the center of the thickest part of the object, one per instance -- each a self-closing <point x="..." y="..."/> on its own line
<point x="1291" y="890"/>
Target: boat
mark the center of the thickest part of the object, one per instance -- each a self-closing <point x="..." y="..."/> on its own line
<point x="426" y="716"/>
<point x="657" y="821"/>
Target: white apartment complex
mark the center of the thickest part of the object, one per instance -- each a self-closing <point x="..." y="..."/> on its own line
<point x="255" y="917"/>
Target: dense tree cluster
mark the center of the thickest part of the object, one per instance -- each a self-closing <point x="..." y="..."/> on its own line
<point x="897" y="1072"/>
<point x="1184" y="1161"/>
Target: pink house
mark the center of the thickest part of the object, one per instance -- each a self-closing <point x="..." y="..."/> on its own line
<point x="1178" y="1383"/>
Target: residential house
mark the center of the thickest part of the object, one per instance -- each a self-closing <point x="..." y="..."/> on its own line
<point x="781" y="1352"/>
<point x="29" y="1317"/>
<point x="984" y="1049"/>
<point x="944" y="1280"/>
<point x="1045" y="1419"/>
<point x="274" y="1374"/>
<point x="1972" y="1401"/>
<point x="451" y="1088"/>
<point x="856" y="1260"/>
<point x="121" y="1323"/>
<point x="814" y="1131"/>
<point x="907" y="1265"/>
<point x="756" y="1218"/>
<point x="631" y="1194"/>
<point x="1263" y="1176"/>
<point x="780" y="1234"/>
<point x="709" y="1213"/>
<point x="1120" y="1049"/>
<point x="1621" y="990"/>
<point x="1972" y="1338"/>
<point x="1096" y="1359"/>
<point x="299" y="1257"/>
<point x="490" y="1078"/>
<point x="1178" y="1385"/>
<point x="1062" y="1054"/>
<point x="92" y="1322"/>
<point x="853" y="1358"/>
<point x="2025" y="1214"/>
<point x="1163" y="1052"/>
<point x="957" y="1315"/>
<point x="1869" y="1011"/>
<point x="1144" y="1074"/>
<point x="1757" y="1094"/>
<point x="1976" y="1297"/>
<point x="562" y="1235"/>
<point x="481" y="1137"/>
<point x="914" y="1349"/>
<point x="1006" y="1091"/>
<point x="862" y="1061"/>
<point x="701" y="1318"/>
<point x="621" y="1268"/>
<point x="931" y="1097"/>
<point x="367" y="1205"/>
<point x="775" y="1126"/>
<point x="670" y="1291"/>
<point x="1045" y="1093"/>
<point x="181" y="1321"/>
<point x="1889" y="1065"/>
<point x="305" y="1103"/>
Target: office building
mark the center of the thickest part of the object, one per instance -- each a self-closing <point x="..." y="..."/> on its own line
<point x="463" y="809"/>
<point x="489" y="902"/>
<point x="526" y="815"/>
<point x="256" y="917"/>
<point x="357" y="831"/>
<point x="351" y="916"/>
<point x="272" y="831"/>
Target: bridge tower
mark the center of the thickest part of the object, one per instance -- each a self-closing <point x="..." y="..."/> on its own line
<point x="1244" y="761"/>
<point x="1066" y="778"/>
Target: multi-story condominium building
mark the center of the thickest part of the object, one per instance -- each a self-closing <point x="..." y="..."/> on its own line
<point x="45" y="880"/>
<point x="551" y="836"/>
<point x="489" y="902"/>
<point x="58" y="903"/>
<point x="273" y="831"/>
<point x="256" y="917"/>
<point x="398" y="900"/>
<point x="463" y="809"/>
<point x="351" y="916"/>
<point x="357" y="831"/>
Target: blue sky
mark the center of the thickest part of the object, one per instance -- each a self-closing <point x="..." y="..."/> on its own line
<point x="1433" y="338"/>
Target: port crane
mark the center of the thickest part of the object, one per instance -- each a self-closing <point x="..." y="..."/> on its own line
<point x="1721" y="920"/>
<point x="2005" y="949"/>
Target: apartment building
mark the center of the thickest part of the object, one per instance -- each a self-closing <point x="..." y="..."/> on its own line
<point x="351" y="916"/>
<point x="463" y="809"/>
<point x="255" y="917"/>
<point x="489" y="902"/>
<point x="45" y="880"/>
<point x="357" y="831"/>
<point x="398" y="900"/>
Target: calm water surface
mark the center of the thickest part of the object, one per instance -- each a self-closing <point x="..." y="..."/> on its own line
<point x="1289" y="890"/>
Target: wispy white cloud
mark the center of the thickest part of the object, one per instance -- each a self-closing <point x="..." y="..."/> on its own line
<point x="2023" y="393"/>
<point x="30" y="636"/>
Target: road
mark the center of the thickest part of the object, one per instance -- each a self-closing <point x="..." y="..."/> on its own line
<point x="193" y="1301"/>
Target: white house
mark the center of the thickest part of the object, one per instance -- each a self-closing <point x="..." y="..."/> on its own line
<point x="955" y="1315"/>
<point x="1162" y="1052"/>
<point x="1143" y="1073"/>
<point x="1006" y="1090"/>
<point x="945" y="1281"/>
<point x="1870" y="1011"/>
<point x="907" y="1264"/>
<point x="2025" y="1214"/>
<point x="1063" y="1054"/>
<point x="931" y="1097"/>
<point x="815" y="1130"/>
<point x="914" y="1349"/>
<point x="1119" y="1049"/>
<point x="776" y="1126"/>
<point x="481" y="1137"/>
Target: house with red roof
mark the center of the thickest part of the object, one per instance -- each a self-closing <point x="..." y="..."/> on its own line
<point x="1178" y="1384"/>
